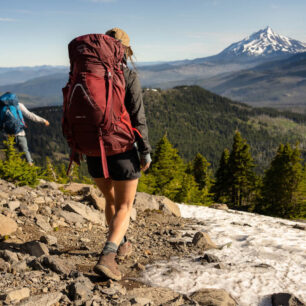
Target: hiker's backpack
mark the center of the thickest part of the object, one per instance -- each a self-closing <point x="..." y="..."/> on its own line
<point x="95" y="121"/>
<point x="11" y="119"/>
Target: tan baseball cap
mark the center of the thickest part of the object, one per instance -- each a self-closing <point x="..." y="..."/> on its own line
<point x="120" y="35"/>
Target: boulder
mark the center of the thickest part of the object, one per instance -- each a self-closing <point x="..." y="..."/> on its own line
<point x="86" y="212"/>
<point x="219" y="206"/>
<point x="202" y="240"/>
<point x="286" y="299"/>
<point x="213" y="297"/>
<point x="167" y="206"/>
<point x="7" y="226"/>
<point x="144" y="201"/>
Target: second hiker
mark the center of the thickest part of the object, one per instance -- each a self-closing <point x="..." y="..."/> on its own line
<point x="11" y="119"/>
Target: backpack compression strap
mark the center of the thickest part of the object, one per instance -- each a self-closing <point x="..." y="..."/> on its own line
<point x="109" y="105"/>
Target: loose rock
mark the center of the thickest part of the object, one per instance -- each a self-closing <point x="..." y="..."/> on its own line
<point x="202" y="240"/>
<point x="286" y="299"/>
<point x="213" y="297"/>
<point x="43" y="299"/>
<point x="16" y="295"/>
<point x="36" y="248"/>
<point x="7" y="226"/>
<point x="57" y="265"/>
<point x="219" y="206"/>
<point x="86" y="212"/>
<point x="48" y="239"/>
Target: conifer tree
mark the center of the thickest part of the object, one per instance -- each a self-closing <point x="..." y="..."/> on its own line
<point x="189" y="192"/>
<point x="220" y="189"/>
<point x="201" y="172"/>
<point x="49" y="172"/>
<point x="241" y="178"/>
<point x="146" y="183"/>
<point x="61" y="173"/>
<point x="167" y="168"/>
<point x="282" y="190"/>
<point x="16" y="169"/>
<point x="300" y="196"/>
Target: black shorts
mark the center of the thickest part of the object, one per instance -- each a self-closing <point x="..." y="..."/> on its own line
<point x="121" y="167"/>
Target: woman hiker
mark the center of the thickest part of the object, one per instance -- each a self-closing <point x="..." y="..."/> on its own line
<point x="124" y="168"/>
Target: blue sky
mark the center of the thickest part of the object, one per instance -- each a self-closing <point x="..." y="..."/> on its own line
<point x="36" y="32"/>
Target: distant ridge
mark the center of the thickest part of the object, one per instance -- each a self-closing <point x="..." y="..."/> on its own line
<point x="232" y="73"/>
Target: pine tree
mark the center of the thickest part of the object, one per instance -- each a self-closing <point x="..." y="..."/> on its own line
<point x="49" y="172"/>
<point x="282" y="190"/>
<point x="189" y="192"/>
<point x="146" y="183"/>
<point x="61" y="173"/>
<point x="300" y="196"/>
<point x="167" y="168"/>
<point x="201" y="172"/>
<point x="241" y="178"/>
<point x="221" y="187"/>
<point x="16" y="169"/>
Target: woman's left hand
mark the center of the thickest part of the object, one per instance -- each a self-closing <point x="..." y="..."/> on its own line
<point x="146" y="166"/>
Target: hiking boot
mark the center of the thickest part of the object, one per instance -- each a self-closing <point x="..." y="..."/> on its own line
<point x="125" y="250"/>
<point x="107" y="266"/>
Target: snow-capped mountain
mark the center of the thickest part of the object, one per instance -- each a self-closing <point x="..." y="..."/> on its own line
<point x="264" y="43"/>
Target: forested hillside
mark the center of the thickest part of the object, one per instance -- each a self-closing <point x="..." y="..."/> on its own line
<point x="196" y="121"/>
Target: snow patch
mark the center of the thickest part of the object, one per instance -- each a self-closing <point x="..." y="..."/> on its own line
<point x="267" y="256"/>
<point x="261" y="42"/>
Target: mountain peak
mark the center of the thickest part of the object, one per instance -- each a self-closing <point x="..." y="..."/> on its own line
<point x="265" y="42"/>
<point x="268" y="30"/>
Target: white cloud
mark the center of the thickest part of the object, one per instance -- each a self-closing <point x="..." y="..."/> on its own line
<point x="7" y="19"/>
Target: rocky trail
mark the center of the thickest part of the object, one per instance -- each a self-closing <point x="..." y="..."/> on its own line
<point x="51" y="237"/>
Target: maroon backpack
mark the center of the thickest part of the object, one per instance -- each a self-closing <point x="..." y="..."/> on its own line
<point x="95" y="121"/>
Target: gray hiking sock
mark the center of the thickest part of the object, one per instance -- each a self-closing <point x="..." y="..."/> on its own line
<point x="124" y="240"/>
<point x="110" y="247"/>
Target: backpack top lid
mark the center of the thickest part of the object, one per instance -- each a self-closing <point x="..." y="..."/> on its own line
<point x="8" y="99"/>
<point x="96" y="49"/>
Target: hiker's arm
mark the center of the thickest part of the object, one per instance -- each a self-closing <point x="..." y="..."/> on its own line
<point x="135" y="108"/>
<point x="31" y="115"/>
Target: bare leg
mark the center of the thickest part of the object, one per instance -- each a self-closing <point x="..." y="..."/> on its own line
<point x="122" y="194"/>
<point x="107" y="188"/>
<point x="124" y="197"/>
